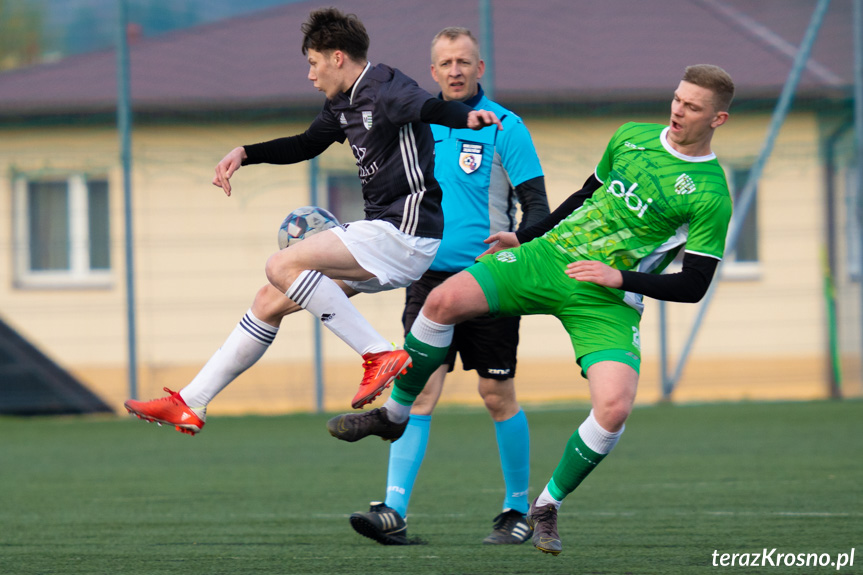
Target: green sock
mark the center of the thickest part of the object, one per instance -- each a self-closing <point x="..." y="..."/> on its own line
<point x="578" y="460"/>
<point x="426" y="359"/>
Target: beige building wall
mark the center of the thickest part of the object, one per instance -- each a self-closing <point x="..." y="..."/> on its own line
<point x="199" y="259"/>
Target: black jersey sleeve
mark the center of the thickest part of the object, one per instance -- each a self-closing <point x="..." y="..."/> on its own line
<point x="568" y="206"/>
<point x="534" y="203"/>
<point x="449" y="113"/>
<point x="402" y="100"/>
<point x="688" y="285"/>
<point x="290" y="150"/>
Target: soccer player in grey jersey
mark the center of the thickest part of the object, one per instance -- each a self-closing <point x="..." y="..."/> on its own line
<point x="384" y="116"/>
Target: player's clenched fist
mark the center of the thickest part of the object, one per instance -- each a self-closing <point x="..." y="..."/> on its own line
<point x="478" y="119"/>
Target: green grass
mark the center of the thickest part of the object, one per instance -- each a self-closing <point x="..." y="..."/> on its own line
<point x="272" y="494"/>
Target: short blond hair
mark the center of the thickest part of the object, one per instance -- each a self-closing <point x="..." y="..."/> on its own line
<point x="715" y="79"/>
<point x="452" y="33"/>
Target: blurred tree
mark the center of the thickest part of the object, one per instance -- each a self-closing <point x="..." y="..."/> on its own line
<point x="88" y="29"/>
<point x="21" y="33"/>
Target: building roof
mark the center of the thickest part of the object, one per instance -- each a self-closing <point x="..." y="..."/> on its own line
<point x="545" y="52"/>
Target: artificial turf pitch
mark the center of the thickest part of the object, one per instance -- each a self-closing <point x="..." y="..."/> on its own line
<point x="273" y="494"/>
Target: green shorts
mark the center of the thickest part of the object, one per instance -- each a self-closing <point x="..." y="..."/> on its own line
<point x="531" y="280"/>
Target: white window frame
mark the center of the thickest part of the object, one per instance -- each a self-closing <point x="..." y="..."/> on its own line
<point x="79" y="274"/>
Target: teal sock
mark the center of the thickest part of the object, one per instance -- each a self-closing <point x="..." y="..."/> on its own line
<point x="426" y="359"/>
<point x="577" y="462"/>
<point x="406" y="456"/>
<point x="513" y="443"/>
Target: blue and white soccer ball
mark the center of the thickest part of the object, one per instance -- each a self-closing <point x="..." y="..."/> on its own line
<point x="304" y="222"/>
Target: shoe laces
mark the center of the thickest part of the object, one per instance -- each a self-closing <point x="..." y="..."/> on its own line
<point x="369" y="365"/>
<point x="546" y="514"/>
<point x="173" y="396"/>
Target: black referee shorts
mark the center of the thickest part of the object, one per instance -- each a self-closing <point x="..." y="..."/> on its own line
<point x="485" y="344"/>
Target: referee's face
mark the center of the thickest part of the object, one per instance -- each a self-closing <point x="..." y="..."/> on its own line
<point x="456" y="68"/>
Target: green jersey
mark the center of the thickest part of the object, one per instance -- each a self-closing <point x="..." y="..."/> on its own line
<point x="653" y="201"/>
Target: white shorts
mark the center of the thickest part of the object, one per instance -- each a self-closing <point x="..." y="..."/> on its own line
<point x="395" y="258"/>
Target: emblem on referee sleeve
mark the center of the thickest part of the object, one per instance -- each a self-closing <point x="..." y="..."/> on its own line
<point x="470" y="158"/>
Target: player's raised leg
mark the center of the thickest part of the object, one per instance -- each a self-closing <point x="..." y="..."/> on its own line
<point x="304" y="274"/>
<point x="457" y="299"/>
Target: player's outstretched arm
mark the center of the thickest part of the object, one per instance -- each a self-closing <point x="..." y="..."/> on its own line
<point x="226" y="168"/>
<point x="688" y="285"/>
<point x="500" y="241"/>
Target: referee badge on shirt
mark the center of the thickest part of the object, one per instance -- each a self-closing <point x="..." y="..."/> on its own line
<point x="470" y="158"/>
<point x="367" y="120"/>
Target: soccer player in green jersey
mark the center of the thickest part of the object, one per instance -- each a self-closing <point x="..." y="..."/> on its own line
<point x="655" y="190"/>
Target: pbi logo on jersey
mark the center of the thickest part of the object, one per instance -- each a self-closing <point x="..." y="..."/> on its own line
<point x="342" y="120"/>
<point x="618" y="189"/>
<point x="684" y="185"/>
<point x="367" y="119"/>
<point x="470" y="158"/>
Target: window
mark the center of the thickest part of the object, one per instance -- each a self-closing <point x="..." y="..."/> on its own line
<point x="62" y="232"/>
<point x="743" y="261"/>
<point x="345" y="197"/>
<point x="747" y="244"/>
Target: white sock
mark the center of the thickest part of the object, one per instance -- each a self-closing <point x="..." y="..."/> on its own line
<point x="596" y="437"/>
<point x="246" y="344"/>
<point x="396" y="412"/>
<point x="545" y="498"/>
<point x="432" y="333"/>
<point x="324" y="298"/>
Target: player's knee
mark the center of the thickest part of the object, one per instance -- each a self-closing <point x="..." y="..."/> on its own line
<point x="280" y="272"/>
<point x="612" y="413"/>
<point x="496" y="404"/>
<point x="499" y="400"/>
<point x="440" y="305"/>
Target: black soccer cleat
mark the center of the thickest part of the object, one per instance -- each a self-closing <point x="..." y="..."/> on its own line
<point x="355" y="426"/>
<point x="543" y="521"/>
<point x="510" y="528"/>
<point x="381" y="523"/>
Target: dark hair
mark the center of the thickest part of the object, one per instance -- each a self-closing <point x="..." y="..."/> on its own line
<point x="715" y="79"/>
<point x="329" y="29"/>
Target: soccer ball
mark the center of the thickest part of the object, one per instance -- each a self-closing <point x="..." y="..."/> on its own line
<point x="304" y="222"/>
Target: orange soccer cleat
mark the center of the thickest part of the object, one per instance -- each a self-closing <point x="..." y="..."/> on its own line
<point x="171" y="410"/>
<point x="381" y="369"/>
